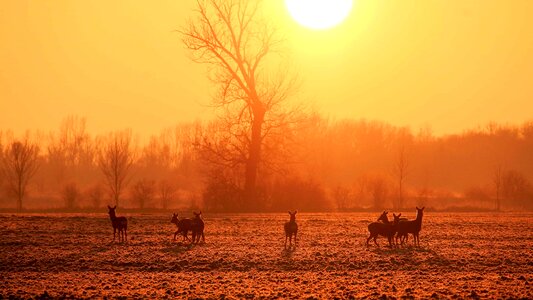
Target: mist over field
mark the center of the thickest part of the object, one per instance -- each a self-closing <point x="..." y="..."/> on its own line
<point x="325" y="165"/>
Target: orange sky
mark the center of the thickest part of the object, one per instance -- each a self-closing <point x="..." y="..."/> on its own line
<point x="450" y="64"/>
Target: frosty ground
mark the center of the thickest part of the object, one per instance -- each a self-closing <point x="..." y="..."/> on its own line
<point x="461" y="255"/>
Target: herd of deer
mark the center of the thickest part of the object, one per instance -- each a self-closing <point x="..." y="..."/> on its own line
<point x="399" y="228"/>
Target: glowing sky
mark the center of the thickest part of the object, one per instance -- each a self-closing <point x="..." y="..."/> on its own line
<point x="450" y="64"/>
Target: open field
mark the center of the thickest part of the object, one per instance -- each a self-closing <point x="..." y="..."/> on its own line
<point x="461" y="255"/>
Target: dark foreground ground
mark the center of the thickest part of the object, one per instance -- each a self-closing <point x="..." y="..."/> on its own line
<point x="462" y="255"/>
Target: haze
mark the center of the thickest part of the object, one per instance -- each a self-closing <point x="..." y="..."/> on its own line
<point x="449" y="65"/>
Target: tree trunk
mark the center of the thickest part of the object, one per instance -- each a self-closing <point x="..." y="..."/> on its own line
<point x="19" y="204"/>
<point x="497" y="199"/>
<point x="19" y="194"/>
<point x="252" y="164"/>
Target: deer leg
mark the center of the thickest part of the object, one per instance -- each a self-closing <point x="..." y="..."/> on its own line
<point x="114" y="233"/>
<point x="126" y="234"/>
<point x="368" y="240"/>
<point x="295" y="238"/>
<point x="375" y="240"/>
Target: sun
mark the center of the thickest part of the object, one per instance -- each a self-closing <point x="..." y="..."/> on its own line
<point x="319" y="14"/>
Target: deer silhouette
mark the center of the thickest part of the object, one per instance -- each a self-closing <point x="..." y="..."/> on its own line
<point x="198" y="228"/>
<point x="291" y="229"/>
<point x="183" y="225"/>
<point x="413" y="227"/>
<point x="119" y="223"/>
<point x="384" y="228"/>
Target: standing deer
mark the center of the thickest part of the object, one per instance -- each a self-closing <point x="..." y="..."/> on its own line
<point x="403" y="235"/>
<point x="384" y="228"/>
<point x="414" y="227"/>
<point x="119" y="223"/>
<point x="198" y="228"/>
<point x="183" y="225"/>
<point x="291" y="228"/>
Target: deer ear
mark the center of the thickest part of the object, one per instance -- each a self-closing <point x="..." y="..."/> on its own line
<point x="289" y="212"/>
<point x="115" y="207"/>
<point x="423" y="208"/>
<point x="394" y="215"/>
<point x="417" y="208"/>
<point x="109" y="207"/>
<point x="295" y="212"/>
<point x="399" y="215"/>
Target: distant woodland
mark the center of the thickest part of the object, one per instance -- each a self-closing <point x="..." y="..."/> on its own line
<point x="314" y="164"/>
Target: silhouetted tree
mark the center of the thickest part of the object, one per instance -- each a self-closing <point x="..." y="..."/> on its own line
<point x="95" y="194"/>
<point x="19" y="165"/>
<point x="71" y="194"/>
<point x="71" y="151"/>
<point x="515" y="188"/>
<point x="166" y="193"/>
<point x="115" y="158"/>
<point x="143" y="192"/>
<point x="401" y="169"/>
<point x="232" y="38"/>
<point x="498" y="181"/>
<point x="378" y="189"/>
<point x="341" y="195"/>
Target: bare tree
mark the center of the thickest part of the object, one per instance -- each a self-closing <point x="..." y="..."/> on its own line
<point x="71" y="151"/>
<point x="497" y="180"/>
<point x="115" y="158"/>
<point x="19" y="164"/>
<point x="378" y="190"/>
<point x="143" y="192"/>
<point x="235" y="41"/>
<point x="166" y="193"/>
<point x="95" y="195"/>
<point x="71" y="194"/>
<point x="400" y="171"/>
<point x="342" y="197"/>
<point x="515" y="188"/>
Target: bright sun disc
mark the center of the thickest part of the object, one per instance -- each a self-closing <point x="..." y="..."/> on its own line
<point x="319" y="14"/>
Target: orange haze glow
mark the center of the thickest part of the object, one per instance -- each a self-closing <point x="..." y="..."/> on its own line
<point x="451" y="65"/>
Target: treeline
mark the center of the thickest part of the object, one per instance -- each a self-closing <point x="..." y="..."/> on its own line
<point x="315" y="165"/>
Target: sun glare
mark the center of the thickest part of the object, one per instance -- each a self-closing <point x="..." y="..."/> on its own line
<point x="319" y="14"/>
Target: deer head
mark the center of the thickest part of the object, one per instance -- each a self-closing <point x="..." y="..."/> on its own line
<point x="383" y="218"/>
<point x="293" y="215"/>
<point x="419" y="212"/>
<point x="396" y="218"/>
<point x="174" y="218"/>
<point x="111" y="211"/>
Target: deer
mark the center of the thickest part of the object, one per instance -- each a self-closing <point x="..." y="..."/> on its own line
<point x="119" y="223"/>
<point x="384" y="228"/>
<point x="291" y="229"/>
<point x="403" y="236"/>
<point x="413" y="227"/>
<point x="183" y="225"/>
<point x="198" y="228"/>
